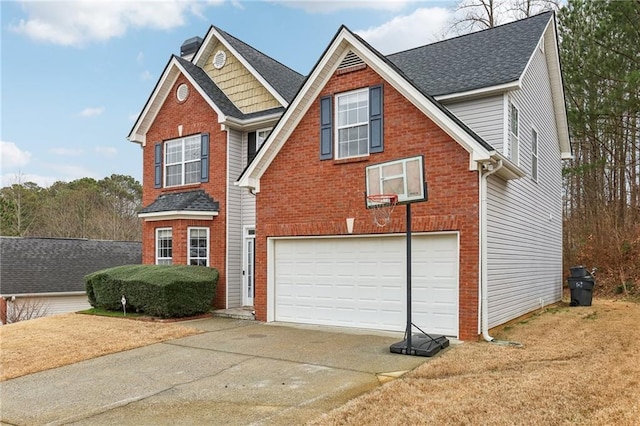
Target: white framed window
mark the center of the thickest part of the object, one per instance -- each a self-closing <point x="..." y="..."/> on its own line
<point x="534" y="155"/>
<point x="198" y="246"/>
<point x="182" y="161"/>
<point x="261" y="136"/>
<point x="352" y="119"/>
<point x="164" y="246"/>
<point x="514" y="142"/>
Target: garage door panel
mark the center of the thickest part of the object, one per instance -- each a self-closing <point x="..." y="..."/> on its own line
<point x="360" y="282"/>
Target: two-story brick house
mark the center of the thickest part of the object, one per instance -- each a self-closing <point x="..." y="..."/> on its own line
<point x="211" y="109"/>
<point x="484" y="111"/>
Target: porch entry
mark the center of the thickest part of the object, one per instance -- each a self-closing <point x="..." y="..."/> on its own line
<point x="248" y="267"/>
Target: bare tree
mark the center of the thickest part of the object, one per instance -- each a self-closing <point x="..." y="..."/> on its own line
<point x="476" y="15"/>
<point x="23" y="310"/>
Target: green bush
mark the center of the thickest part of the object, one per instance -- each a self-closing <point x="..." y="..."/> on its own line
<point x="167" y="291"/>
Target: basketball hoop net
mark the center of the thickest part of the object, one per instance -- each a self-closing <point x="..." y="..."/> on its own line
<point x="381" y="206"/>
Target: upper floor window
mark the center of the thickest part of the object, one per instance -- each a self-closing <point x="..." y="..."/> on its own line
<point x="164" y="246"/>
<point x="514" y="143"/>
<point x="352" y="124"/>
<point x="255" y="141"/>
<point x="198" y="246"/>
<point x="182" y="161"/>
<point x="354" y="127"/>
<point x="534" y="155"/>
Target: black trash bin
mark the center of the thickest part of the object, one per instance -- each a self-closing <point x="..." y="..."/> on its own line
<point x="581" y="285"/>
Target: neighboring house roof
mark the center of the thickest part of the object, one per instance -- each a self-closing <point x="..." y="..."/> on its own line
<point x="482" y="59"/>
<point x="283" y="79"/>
<point x="58" y="265"/>
<point x="188" y="204"/>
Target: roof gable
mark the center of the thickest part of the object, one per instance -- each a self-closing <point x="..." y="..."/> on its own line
<point x="344" y="42"/>
<point x="279" y="80"/>
<point x="58" y="265"/>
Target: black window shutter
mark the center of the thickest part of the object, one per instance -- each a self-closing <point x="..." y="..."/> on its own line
<point x="204" y="157"/>
<point x="376" y="130"/>
<point x="326" y="129"/>
<point x="158" y="166"/>
<point x="251" y="146"/>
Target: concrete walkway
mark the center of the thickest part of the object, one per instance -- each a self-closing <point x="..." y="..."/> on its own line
<point x="237" y="372"/>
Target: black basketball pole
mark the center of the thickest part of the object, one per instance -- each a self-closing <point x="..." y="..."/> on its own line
<point x="408" y="330"/>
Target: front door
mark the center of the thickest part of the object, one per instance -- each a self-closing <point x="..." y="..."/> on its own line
<point x="248" y="269"/>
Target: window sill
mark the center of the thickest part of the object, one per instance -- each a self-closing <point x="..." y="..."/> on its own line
<point x="181" y="187"/>
<point x="351" y="160"/>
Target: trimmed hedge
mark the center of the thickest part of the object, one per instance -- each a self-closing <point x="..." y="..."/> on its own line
<point x="166" y="291"/>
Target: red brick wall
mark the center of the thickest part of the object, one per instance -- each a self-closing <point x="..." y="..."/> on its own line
<point x="301" y="195"/>
<point x="196" y="116"/>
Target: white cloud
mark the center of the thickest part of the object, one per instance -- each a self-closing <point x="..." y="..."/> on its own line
<point x="12" y="156"/>
<point x="133" y="116"/>
<point x="140" y="58"/>
<point x="91" y="112"/>
<point x="145" y="75"/>
<point x="423" y="26"/>
<point x="67" y="152"/>
<point x="324" y="6"/>
<point x="81" y="22"/>
<point x="107" y="151"/>
<point x="9" y="179"/>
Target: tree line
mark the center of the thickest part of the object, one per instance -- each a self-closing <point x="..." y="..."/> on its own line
<point x="84" y="208"/>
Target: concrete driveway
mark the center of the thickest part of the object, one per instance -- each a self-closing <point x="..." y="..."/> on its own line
<point x="235" y="373"/>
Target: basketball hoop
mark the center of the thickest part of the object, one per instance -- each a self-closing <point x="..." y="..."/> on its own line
<point x="381" y="207"/>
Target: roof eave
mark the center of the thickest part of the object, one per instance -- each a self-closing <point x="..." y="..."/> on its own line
<point x="480" y="92"/>
<point x="312" y="86"/>
<point x="178" y="214"/>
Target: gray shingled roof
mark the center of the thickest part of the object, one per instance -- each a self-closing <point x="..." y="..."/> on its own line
<point x="473" y="61"/>
<point x="283" y="79"/>
<point x="58" y="265"/>
<point x="197" y="200"/>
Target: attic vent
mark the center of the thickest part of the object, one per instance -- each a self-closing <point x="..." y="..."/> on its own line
<point x="351" y="60"/>
<point x="219" y="59"/>
<point x="182" y="92"/>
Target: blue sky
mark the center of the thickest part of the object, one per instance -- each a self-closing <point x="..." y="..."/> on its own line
<point x="75" y="74"/>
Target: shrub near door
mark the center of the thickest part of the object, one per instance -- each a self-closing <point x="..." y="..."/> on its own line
<point x="166" y="291"/>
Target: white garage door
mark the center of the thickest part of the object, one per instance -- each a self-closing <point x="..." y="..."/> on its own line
<point x="360" y="282"/>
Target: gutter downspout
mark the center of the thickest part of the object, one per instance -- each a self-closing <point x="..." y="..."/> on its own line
<point x="484" y="273"/>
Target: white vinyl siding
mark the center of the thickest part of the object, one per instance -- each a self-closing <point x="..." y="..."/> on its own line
<point x="484" y="116"/>
<point x="53" y="305"/>
<point x="525" y="218"/>
<point x="236" y="151"/>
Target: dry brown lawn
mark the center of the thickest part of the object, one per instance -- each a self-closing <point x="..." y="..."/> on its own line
<point x="578" y="366"/>
<point x="40" y="344"/>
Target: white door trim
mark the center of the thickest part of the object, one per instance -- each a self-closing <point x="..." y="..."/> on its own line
<point x="248" y="265"/>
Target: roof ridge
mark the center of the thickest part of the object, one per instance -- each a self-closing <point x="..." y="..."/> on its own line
<point x="226" y="34"/>
<point x="517" y="21"/>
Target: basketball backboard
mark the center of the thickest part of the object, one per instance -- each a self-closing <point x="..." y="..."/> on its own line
<point x="403" y="177"/>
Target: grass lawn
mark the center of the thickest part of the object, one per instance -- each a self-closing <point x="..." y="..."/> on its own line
<point x="578" y="366"/>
